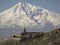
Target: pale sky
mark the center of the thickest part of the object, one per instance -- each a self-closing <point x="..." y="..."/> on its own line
<point x="52" y="5"/>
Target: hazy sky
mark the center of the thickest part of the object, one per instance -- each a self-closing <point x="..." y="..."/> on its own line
<point x="53" y="5"/>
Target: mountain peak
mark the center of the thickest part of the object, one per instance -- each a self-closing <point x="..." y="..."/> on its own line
<point x="28" y="15"/>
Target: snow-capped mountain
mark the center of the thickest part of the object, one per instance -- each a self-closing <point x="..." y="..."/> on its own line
<point x="29" y="16"/>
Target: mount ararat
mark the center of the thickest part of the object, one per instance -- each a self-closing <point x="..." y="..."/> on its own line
<point x="29" y="16"/>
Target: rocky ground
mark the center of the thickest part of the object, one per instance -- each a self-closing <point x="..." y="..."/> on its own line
<point x="48" y="38"/>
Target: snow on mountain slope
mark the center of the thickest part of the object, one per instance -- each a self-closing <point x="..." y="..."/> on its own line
<point x="29" y="16"/>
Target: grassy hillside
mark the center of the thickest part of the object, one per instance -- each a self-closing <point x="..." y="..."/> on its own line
<point x="49" y="38"/>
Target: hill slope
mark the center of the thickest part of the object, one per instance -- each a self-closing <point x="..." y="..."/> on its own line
<point x="49" y="38"/>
